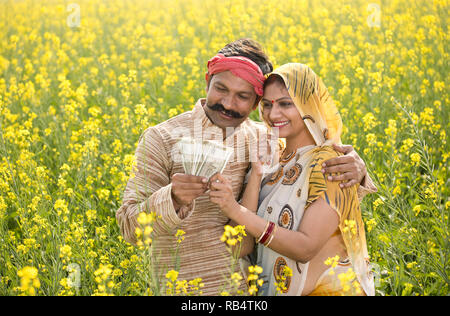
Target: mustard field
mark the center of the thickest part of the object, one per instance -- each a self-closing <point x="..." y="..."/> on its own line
<point x="80" y="82"/>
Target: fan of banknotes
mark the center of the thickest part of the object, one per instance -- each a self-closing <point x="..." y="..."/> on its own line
<point x="203" y="158"/>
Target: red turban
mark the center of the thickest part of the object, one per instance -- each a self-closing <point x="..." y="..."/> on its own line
<point x="239" y="66"/>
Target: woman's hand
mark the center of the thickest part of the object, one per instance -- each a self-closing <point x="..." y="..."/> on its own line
<point x="257" y="169"/>
<point x="221" y="193"/>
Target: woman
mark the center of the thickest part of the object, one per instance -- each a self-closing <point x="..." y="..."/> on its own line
<point x="302" y="219"/>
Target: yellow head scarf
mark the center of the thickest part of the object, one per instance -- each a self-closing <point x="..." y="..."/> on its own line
<point x="313" y="101"/>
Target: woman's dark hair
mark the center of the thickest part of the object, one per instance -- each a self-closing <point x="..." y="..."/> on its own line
<point x="274" y="78"/>
<point x="251" y="49"/>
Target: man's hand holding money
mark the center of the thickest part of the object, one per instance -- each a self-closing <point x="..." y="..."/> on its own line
<point x="186" y="188"/>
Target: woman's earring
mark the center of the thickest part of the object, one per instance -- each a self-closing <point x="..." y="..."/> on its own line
<point x="308" y="117"/>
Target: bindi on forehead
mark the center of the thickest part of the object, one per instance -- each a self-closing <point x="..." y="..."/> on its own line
<point x="277" y="100"/>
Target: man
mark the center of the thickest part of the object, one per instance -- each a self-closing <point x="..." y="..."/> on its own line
<point x="234" y="86"/>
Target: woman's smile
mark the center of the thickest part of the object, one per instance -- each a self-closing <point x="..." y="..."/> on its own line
<point x="280" y="124"/>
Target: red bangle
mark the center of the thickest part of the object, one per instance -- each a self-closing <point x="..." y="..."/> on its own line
<point x="267" y="233"/>
<point x="271" y="237"/>
<point x="263" y="233"/>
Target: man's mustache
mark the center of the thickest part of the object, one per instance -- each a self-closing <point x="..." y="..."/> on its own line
<point x="219" y="107"/>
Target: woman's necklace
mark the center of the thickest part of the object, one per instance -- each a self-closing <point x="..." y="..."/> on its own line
<point x="286" y="158"/>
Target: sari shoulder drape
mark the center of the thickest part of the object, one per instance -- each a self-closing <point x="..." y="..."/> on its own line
<point x="319" y="186"/>
<point x="346" y="203"/>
